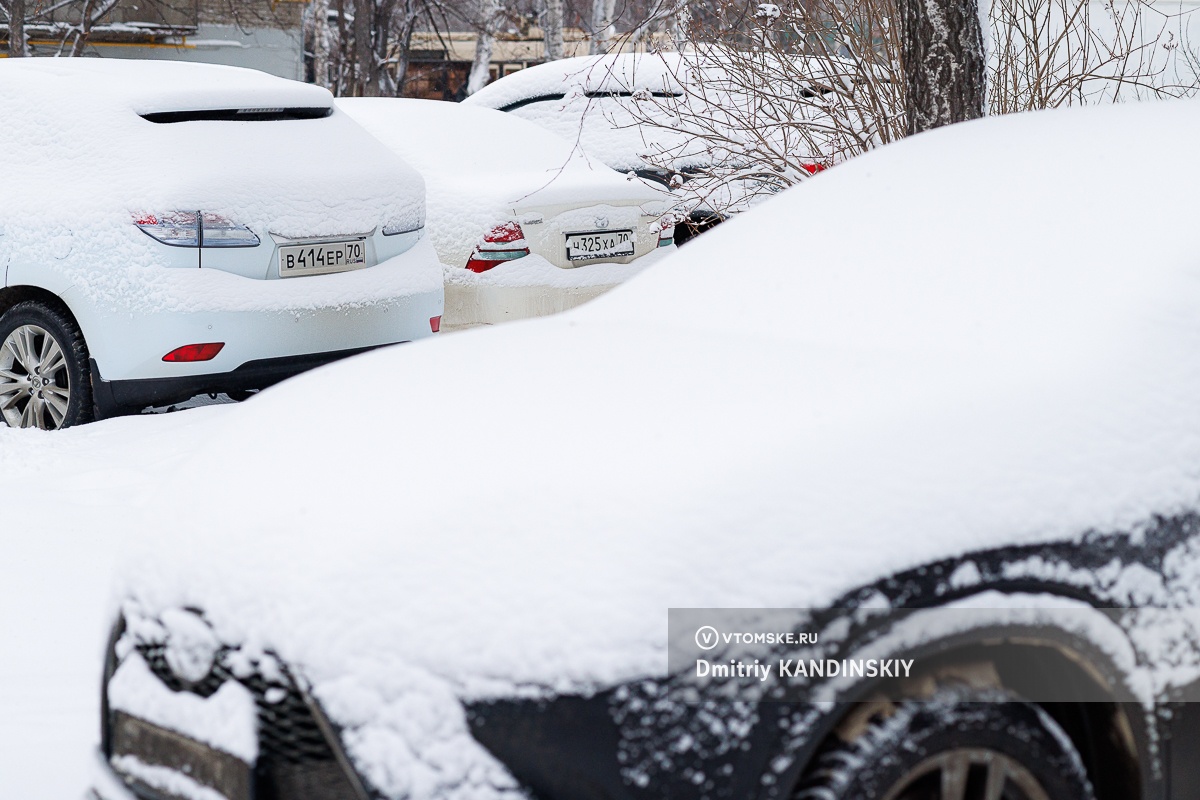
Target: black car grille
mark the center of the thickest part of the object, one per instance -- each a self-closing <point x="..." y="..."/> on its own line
<point x="295" y="758"/>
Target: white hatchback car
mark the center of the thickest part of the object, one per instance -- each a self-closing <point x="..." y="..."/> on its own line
<point x="171" y="229"/>
<point x="525" y="223"/>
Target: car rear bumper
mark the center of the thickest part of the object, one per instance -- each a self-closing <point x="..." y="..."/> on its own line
<point x="269" y="329"/>
<point x="470" y="305"/>
<point x="113" y="398"/>
<point x="532" y="287"/>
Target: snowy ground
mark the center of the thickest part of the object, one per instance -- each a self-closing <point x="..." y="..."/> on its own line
<point x="56" y="582"/>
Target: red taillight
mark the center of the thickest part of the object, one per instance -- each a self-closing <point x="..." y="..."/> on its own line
<point x="502" y="243"/>
<point x="435" y="323"/>
<point x="666" y="232"/>
<point x="194" y="352"/>
<point x="504" y="234"/>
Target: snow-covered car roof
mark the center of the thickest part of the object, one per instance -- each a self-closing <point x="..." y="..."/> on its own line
<point x="979" y="336"/>
<point x="624" y="72"/>
<point x="608" y="105"/>
<point x="164" y="86"/>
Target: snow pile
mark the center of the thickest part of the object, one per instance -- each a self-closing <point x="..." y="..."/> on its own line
<point x="75" y="123"/>
<point x="483" y="168"/>
<point x="948" y="344"/>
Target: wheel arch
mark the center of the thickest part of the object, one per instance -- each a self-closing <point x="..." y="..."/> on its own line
<point x="1112" y="737"/>
<point x="12" y="295"/>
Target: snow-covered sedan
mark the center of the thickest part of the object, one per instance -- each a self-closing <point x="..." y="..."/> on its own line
<point x="956" y="444"/>
<point x="660" y="116"/>
<point x="525" y="224"/>
<point x="170" y="229"/>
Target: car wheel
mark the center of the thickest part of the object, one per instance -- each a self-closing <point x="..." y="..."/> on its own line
<point x="953" y="748"/>
<point x="45" y="381"/>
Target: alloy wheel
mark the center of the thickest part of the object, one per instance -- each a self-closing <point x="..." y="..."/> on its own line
<point x="35" y="385"/>
<point x="968" y="774"/>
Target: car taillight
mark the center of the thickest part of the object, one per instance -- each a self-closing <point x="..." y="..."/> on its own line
<point x="194" y="352"/>
<point x="666" y="236"/>
<point x="175" y="228"/>
<point x="195" y="229"/>
<point x="502" y="243"/>
<point x="218" y="231"/>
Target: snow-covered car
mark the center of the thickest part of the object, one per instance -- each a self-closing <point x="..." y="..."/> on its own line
<point x="971" y="397"/>
<point x="525" y="224"/>
<point x="639" y="114"/>
<point x="171" y="229"/>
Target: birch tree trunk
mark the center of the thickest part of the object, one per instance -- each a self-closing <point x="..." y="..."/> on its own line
<point x="941" y="50"/>
<point x="480" y="67"/>
<point x="321" y="43"/>
<point x="340" y="69"/>
<point x="88" y="19"/>
<point x="381" y="83"/>
<point x="404" y="45"/>
<point x="485" y="44"/>
<point x="17" y="46"/>
<point x="552" y="29"/>
<point x="602" y="25"/>
<point x="364" y="53"/>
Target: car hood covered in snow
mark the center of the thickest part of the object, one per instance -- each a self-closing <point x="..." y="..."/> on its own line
<point x="983" y="335"/>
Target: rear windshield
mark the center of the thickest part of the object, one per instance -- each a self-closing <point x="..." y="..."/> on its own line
<point x="239" y="115"/>
<point x="549" y="97"/>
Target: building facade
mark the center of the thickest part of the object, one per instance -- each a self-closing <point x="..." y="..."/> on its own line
<point x="260" y="34"/>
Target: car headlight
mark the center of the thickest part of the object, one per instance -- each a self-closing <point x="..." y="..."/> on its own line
<point x="191" y="646"/>
<point x="172" y="725"/>
<point x="187" y="715"/>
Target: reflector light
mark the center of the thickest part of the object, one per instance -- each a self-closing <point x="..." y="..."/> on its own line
<point x="194" y="352"/>
<point x="435" y="323"/>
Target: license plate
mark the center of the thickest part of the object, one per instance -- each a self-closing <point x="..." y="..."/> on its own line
<point x="317" y="259"/>
<point x="599" y="244"/>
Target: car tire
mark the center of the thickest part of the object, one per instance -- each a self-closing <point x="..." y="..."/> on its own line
<point x="952" y="747"/>
<point x="45" y="377"/>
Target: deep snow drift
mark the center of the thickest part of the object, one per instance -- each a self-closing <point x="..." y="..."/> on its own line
<point x="73" y="495"/>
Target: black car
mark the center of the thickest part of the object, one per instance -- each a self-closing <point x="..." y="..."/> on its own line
<point x="912" y="516"/>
